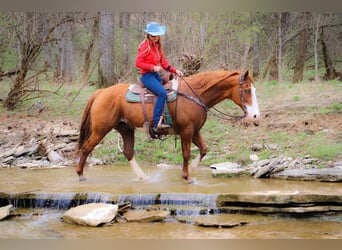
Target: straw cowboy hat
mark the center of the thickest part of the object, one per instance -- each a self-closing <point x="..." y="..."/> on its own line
<point x="154" y="29"/>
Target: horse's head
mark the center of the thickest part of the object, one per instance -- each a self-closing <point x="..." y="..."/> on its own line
<point x="245" y="96"/>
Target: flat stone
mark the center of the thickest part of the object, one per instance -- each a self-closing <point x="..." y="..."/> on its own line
<point x="211" y="221"/>
<point x="324" y="174"/>
<point x="8" y="153"/>
<point x="91" y="214"/>
<point x="146" y="216"/>
<point x="65" y="132"/>
<point x="228" y="169"/>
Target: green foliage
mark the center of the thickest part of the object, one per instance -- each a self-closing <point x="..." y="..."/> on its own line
<point x="337" y="107"/>
<point x="296" y="98"/>
<point x="321" y="147"/>
<point x="272" y="83"/>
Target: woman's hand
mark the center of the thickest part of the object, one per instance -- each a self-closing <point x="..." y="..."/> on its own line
<point x="179" y="73"/>
<point x="157" y="68"/>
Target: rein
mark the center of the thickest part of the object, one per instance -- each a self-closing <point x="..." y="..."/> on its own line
<point x="224" y="116"/>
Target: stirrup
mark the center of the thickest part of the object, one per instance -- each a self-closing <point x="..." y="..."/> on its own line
<point x="162" y="123"/>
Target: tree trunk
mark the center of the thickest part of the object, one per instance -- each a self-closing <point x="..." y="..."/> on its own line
<point x="245" y="55"/>
<point x="64" y="55"/>
<point x="106" y="47"/>
<point x="318" y="20"/>
<point x="125" y="18"/>
<point x="256" y="60"/>
<point x="59" y="48"/>
<point x="301" y="52"/>
<point x="67" y="51"/>
<point x="273" y="67"/>
<point x="17" y="91"/>
<point x="329" y="67"/>
<point x="86" y="65"/>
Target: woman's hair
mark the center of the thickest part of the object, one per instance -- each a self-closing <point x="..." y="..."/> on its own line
<point x="161" y="48"/>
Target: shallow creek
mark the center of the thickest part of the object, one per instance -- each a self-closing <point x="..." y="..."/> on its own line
<point x="164" y="181"/>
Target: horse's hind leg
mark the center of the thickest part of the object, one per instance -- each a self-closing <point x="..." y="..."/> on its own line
<point x="86" y="149"/>
<point x="203" y="148"/>
<point x="127" y="134"/>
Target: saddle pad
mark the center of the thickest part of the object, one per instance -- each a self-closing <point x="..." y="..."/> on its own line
<point x="135" y="92"/>
<point x="134" y="97"/>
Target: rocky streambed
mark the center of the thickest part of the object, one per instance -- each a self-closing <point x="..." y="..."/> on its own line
<point x="53" y="145"/>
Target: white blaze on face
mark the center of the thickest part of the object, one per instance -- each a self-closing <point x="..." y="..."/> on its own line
<point x="253" y="110"/>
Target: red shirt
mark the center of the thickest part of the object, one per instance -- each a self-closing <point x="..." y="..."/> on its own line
<point x="150" y="56"/>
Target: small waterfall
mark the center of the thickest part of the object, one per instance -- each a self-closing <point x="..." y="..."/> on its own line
<point x="204" y="200"/>
<point x="190" y="204"/>
<point x="56" y="201"/>
<point x="139" y="199"/>
<point x="178" y="203"/>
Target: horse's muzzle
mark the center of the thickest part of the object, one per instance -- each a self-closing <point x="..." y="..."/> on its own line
<point x="251" y="118"/>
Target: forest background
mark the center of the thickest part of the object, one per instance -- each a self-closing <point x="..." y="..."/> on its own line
<point x="100" y="48"/>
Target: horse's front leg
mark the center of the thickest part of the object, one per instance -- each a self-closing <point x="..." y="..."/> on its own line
<point x="127" y="134"/>
<point x="203" y="148"/>
<point x="186" y="152"/>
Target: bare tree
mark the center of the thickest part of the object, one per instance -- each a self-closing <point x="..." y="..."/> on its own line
<point x="106" y="48"/>
<point x="317" y="28"/>
<point x="329" y="67"/>
<point x="302" y="48"/>
<point x="256" y="59"/>
<point x="89" y="49"/>
<point x="125" y="18"/>
<point x="30" y="39"/>
<point x="64" y="57"/>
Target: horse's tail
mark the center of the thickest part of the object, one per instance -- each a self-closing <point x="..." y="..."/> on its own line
<point x="85" y="128"/>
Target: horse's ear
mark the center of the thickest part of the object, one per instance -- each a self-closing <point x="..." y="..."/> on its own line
<point x="246" y="75"/>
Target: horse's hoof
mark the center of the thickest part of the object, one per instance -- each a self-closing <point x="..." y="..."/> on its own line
<point x="82" y="178"/>
<point x="143" y="178"/>
<point x="191" y="181"/>
<point x="188" y="180"/>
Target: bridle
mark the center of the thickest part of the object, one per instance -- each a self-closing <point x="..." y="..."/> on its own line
<point x="222" y="115"/>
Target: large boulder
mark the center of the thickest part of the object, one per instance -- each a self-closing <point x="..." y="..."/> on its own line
<point x="92" y="214"/>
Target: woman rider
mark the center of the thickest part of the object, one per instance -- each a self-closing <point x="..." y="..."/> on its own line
<point x="151" y="60"/>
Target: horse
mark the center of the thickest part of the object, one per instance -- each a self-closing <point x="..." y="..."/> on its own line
<point x="108" y="109"/>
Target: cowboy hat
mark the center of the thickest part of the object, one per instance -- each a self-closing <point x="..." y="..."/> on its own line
<point x="154" y="29"/>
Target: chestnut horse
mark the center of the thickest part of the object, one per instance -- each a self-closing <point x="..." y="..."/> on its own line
<point x="107" y="109"/>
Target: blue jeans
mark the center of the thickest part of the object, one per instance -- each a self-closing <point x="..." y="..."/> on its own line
<point x="152" y="81"/>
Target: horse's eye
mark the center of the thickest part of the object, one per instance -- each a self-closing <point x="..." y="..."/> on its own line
<point x="248" y="91"/>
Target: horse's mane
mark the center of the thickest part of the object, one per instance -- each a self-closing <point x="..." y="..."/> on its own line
<point x="203" y="81"/>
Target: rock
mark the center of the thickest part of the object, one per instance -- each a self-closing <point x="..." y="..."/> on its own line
<point x="337" y="164"/>
<point x="276" y="202"/>
<point x="211" y="221"/>
<point x="9" y="152"/>
<point x="146" y="216"/>
<point x="224" y="166"/>
<point x="228" y="169"/>
<point x="65" y="132"/>
<point x="5" y="211"/>
<point x="91" y="214"/>
<point x="264" y="171"/>
<point x="257" y="147"/>
<point x="254" y="157"/>
<point x="324" y="174"/>
<point x="271" y="146"/>
<point x="53" y="156"/>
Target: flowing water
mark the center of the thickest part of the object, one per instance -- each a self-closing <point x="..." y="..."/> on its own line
<point x="103" y="182"/>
